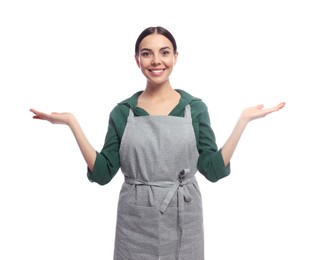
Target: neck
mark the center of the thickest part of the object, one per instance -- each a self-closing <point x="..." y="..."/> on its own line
<point x="162" y="90"/>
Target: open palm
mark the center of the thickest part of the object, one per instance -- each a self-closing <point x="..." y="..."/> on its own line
<point x="259" y="111"/>
<point x="54" y="118"/>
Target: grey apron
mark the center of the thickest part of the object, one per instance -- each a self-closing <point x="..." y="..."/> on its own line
<point x="160" y="211"/>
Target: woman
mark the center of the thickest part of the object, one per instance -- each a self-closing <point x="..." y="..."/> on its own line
<point x="160" y="138"/>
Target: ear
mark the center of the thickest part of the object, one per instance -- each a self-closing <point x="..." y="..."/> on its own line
<point x="175" y="58"/>
<point x="137" y="60"/>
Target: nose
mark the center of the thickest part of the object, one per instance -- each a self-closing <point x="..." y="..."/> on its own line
<point x="155" y="60"/>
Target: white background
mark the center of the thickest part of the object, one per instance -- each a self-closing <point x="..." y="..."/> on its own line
<point x="77" y="56"/>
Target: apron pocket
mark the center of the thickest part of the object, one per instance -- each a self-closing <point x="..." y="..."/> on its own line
<point x="138" y="230"/>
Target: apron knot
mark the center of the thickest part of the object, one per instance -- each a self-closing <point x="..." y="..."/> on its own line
<point x="175" y="187"/>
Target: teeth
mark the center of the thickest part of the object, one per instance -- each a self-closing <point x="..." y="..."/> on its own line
<point x="156" y="71"/>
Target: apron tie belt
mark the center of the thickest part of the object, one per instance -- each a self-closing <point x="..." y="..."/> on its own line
<point x="175" y="187"/>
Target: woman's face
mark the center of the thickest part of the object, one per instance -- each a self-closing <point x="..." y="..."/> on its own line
<point x="156" y="58"/>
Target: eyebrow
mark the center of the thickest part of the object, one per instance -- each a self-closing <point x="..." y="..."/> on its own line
<point x="146" y="49"/>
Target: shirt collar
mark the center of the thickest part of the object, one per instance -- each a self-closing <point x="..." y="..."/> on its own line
<point x="185" y="99"/>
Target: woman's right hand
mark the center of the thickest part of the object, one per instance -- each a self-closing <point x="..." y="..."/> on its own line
<point x="89" y="153"/>
<point x="54" y="118"/>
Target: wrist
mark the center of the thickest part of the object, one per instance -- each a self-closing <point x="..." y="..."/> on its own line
<point x="71" y="121"/>
<point x="243" y="120"/>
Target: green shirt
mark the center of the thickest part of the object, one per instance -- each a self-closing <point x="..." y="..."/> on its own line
<point x="210" y="162"/>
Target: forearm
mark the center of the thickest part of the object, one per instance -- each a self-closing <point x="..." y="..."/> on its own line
<point x="247" y="115"/>
<point x="233" y="140"/>
<point x="88" y="152"/>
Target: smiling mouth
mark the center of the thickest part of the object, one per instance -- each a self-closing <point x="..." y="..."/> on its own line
<point x="157" y="71"/>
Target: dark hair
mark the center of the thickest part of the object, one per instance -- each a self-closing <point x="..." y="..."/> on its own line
<point x="154" y="30"/>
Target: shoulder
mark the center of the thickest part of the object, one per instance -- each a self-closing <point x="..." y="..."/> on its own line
<point x="198" y="106"/>
<point x="132" y="100"/>
<point x="121" y="110"/>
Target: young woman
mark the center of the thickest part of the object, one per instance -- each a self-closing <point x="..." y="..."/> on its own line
<point x="159" y="138"/>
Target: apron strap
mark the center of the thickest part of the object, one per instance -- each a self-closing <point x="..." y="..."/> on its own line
<point x="176" y="186"/>
<point x="131" y="115"/>
<point x="187" y="113"/>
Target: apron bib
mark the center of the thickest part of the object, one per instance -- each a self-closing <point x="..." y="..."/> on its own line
<point x="159" y="211"/>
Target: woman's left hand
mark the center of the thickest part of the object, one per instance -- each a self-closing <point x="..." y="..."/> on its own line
<point x="259" y="111"/>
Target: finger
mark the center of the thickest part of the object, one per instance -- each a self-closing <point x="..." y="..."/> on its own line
<point x="278" y="107"/>
<point x="33" y="111"/>
<point x="260" y="106"/>
<point x="39" y="115"/>
<point x="274" y="109"/>
<point x="281" y="105"/>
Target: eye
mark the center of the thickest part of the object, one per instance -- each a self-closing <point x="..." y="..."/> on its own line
<point x="165" y="52"/>
<point x="145" y="54"/>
